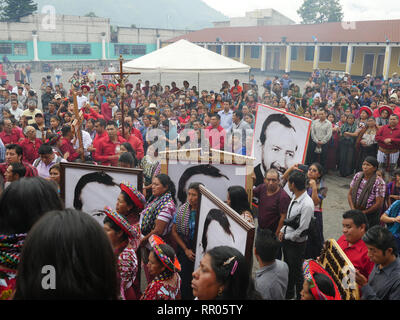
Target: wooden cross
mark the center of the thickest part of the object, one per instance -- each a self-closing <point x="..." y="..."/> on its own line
<point x="78" y="124"/>
<point x="121" y="80"/>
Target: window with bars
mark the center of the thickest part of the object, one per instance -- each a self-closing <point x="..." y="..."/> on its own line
<point x="343" y="54"/>
<point x="81" y="49"/>
<point x="231" y="51"/>
<point x="139" y="50"/>
<point x="294" y="53"/>
<point x="60" y="48"/>
<point x="255" y="52"/>
<point x="309" y="56"/>
<point x="122" y="49"/>
<point x="325" y="54"/>
<point x="20" y="49"/>
<point x="5" y="48"/>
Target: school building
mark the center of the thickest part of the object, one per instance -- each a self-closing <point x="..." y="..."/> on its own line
<point x="359" y="48"/>
<point x="41" y="37"/>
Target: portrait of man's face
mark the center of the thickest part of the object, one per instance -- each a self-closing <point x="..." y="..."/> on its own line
<point x="94" y="200"/>
<point x="223" y="238"/>
<point x="280" y="147"/>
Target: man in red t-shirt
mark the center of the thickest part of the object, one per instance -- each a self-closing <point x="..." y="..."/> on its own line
<point x="100" y="128"/>
<point x="106" y="110"/>
<point x="10" y="135"/>
<point x="30" y="145"/>
<point x="66" y="145"/>
<point x="388" y="139"/>
<point x="184" y="118"/>
<point x="354" y="227"/>
<point x="134" y="130"/>
<point x="108" y="148"/>
<point x="215" y="133"/>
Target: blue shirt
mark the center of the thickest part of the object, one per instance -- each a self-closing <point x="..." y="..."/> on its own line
<point x="383" y="284"/>
<point x="192" y="224"/>
<point x="286" y="83"/>
<point x="226" y="119"/>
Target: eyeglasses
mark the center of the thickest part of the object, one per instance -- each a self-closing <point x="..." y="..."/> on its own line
<point x="312" y="170"/>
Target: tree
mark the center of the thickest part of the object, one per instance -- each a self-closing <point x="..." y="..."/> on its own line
<point x="14" y="10"/>
<point x="320" y="11"/>
<point x="91" y="14"/>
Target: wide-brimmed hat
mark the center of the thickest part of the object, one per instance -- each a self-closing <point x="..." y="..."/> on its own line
<point x="135" y="195"/>
<point x="387" y="108"/>
<point x="85" y="86"/>
<point x="121" y="222"/>
<point x="368" y="110"/>
<point x="155" y="242"/>
<point x="311" y="267"/>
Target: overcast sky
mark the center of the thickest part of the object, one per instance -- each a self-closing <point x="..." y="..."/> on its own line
<point x="354" y="10"/>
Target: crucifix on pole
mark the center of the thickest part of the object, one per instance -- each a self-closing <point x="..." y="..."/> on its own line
<point x="123" y="76"/>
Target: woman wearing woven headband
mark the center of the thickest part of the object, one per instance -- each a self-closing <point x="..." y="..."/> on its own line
<point x="183" y="231"/>
<point x="164" y="266"/>
<point x="318" y="284"/>
<point x="122" y="236"/>
<point x="130" y="203"/>
<point x="22" y="203"/>
<point x="223" y="274"/>
<point x="157" y="216"/>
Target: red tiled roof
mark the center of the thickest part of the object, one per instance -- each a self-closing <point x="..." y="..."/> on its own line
<point x="359" y="31"/>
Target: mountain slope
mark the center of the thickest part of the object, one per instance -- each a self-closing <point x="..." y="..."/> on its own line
<point x="168" y="14"/>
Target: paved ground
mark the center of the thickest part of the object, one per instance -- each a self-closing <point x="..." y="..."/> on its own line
<point x="335" y="203"/>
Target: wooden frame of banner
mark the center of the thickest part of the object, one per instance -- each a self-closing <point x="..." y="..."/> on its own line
<point x="85" y="166"/>
<point x="214" y="157"/>
<point x="247" y="227"/>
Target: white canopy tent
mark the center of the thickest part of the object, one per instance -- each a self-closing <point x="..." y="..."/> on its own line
<point x="185" y="57"/>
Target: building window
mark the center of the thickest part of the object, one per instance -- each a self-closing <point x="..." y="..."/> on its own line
<point x="81" y="49"/>
<point x="20" y="49"/>
<point x="294" y="53"/>
<point x="139" y="50"/>
<point x="309" y="56"/>
<point x="231" y="51"/>
<point x="343" y="55"/>
<point x="255" y="52"/>
<point x="5" y="48"/>
<point x="325" y="54"/>
<point x="60" y="48"/>
<point x="122" y="49"/>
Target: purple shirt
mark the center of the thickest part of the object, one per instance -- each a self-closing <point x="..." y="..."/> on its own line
<point x="270" y="208"/>
<point x="378" y="190"/>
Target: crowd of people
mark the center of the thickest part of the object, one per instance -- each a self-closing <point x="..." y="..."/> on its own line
<point x="354" y="130"/>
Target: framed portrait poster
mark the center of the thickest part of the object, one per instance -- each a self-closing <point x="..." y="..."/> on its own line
<point x="219" y="225"/>
<point x="280" y="140"/>
<point x="215" y="172"/>
<point x="90" y="188"/>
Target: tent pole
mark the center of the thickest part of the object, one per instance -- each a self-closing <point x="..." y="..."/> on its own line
<point x="198" y="82"/>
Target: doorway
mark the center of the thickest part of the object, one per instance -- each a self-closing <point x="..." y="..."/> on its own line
<point x="379" y="65"/>
<point x="368" y="64"/>
<point x="277" y="59"/>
